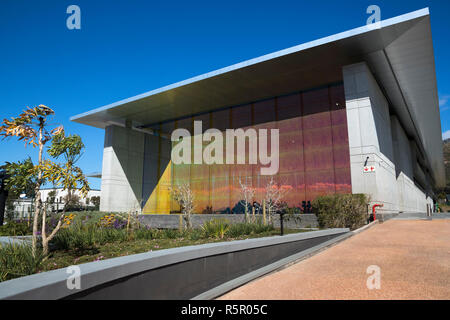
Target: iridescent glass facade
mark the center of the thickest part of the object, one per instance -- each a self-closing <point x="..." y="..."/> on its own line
<point x="313" y="153"/>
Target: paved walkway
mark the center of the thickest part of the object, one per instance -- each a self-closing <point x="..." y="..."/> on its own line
<point x="413" y="256"/>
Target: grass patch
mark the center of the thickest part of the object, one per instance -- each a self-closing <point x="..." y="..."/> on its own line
<point x="16" y="260"/>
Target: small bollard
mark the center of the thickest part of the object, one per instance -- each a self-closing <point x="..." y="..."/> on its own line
<point x="281" y="213"/>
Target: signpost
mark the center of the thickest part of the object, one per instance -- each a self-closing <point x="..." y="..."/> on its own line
<point x="281" y="213"/>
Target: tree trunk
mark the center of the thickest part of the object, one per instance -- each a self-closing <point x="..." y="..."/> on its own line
<point x="264" y="212"/>
<point x="69" y="197"/>
<point x="38" y="202"/>
<point x="187" y="218"/>
<point x="253" y="215"/>
<point x="3" y="197"/>
<point x="45" y="239"/>
<point x="44" y="235"/>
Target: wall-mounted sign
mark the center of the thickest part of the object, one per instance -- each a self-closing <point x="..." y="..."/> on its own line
<point x="369" y="169"/>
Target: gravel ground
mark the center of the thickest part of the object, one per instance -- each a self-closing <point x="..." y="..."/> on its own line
<point x="413" y="256"/>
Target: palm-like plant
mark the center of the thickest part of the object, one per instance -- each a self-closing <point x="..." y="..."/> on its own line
<point x="31" y="127"/>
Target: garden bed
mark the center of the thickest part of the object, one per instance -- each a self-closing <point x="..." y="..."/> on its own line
<point x="178" y="273"/>
<point x="64" y="258"/>
<point x="87" y="238"/>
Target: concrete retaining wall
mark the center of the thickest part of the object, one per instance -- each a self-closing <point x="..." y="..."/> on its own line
<point x="172" y="221"/>
<point x="178" y="273"/>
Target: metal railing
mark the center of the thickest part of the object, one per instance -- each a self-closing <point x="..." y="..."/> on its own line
<point x="23" y="209"/>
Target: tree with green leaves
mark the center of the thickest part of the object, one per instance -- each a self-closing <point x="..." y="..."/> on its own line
<point x="96" y="202"/>
<point x="70" y="148"/>
<point x="65" y="175"/>
<point x="21" y="179"/>
<point x="31" y="126"/>
<point x="3" y="195"/>
<point x="18" y="178"/>
<point x="51" y="197"/>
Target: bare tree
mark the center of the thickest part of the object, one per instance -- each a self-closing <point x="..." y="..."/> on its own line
<point x="247" y="193"/>
<point x="185" y="198"/>
<point x="274" y="197"/>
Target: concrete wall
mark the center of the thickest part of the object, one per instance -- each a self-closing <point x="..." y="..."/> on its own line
<point x="376" y="136"/>
<point x="172" y="221"/>
<point x="410" y="197"/>
<point x="123" y="159"/>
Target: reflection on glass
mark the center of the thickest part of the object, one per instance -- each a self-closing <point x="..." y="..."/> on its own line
<point x="314" y="153"/>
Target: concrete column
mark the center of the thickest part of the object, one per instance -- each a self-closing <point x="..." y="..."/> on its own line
<point x="411" y="198"/>
<point x="370" y="139"/>
<point x="123" y="158"/>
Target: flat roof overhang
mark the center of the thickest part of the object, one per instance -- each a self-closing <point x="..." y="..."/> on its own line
<point x="399" y="52"/>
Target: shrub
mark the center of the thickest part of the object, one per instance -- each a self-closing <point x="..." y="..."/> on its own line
<point x="292" y="214"/>
<point x="88" y="217"/>
<point x="87" y="237"/>
<point x="16" y="260"/>
<point x="215" y="228"/>
<point x="241" y="229"/>
<point x="96" y="202"/>
<point x="261" y="228"/>
<point x="147" y="233"/>
<point x="76" y="237"/>
<point x="15" y="228"/>
<point x="341" y="210"/>
<point x="219" y="228"/>
<point x="111" y="221"/>
<point x="195" y="234"/>
<point x="171" y="234"/>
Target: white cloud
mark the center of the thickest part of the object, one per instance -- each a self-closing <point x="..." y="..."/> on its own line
<point x="443" y="100"/>
<point x="446" y="135"/>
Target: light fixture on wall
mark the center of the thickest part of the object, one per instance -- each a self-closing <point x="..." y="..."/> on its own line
<point x="365" y="162"/>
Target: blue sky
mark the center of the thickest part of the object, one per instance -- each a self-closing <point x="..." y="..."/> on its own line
<point x="125" y="48"/>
